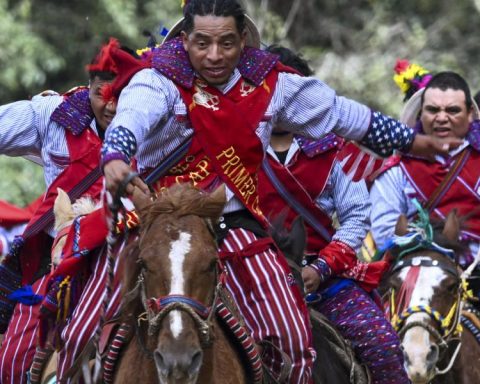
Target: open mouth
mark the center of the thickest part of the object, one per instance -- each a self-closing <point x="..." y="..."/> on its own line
<point x="442" y="131"/>
<point x="216" y="72"/>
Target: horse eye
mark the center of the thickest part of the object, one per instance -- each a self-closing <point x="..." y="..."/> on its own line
<point x="452" y="288"/>
<point x="211" y="266"/>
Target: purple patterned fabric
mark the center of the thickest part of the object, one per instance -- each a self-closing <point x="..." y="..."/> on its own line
<point x="321" y="267"/>
<point x="372" y="337"/>
<point x="473" y="135"/>
<point x="10" y="281"/>
<point x="312" y="148"/>
<point x="256" y="64"/>
<point x="172" y="61"/>
<point x="75" y="112"/>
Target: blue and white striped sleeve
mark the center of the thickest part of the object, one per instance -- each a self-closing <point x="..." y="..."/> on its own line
<point x="352" y="204"/>
<point x="313" y="109"/>
<point x="388" y="202"/>
<point x="19" y="129"/>
<point x="143" y="103"/>
<point x="25" y="125"/>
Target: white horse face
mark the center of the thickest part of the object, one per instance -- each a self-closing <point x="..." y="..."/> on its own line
<point x="434" y="288"/>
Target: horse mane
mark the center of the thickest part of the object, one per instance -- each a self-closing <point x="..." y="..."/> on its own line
<point x="84" y="206"/>
<point x="182" y="200"/>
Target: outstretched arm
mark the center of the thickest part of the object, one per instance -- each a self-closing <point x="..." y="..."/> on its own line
<point x="311" y="108"/>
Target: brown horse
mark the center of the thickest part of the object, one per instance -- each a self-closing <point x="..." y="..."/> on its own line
<point x="426" y="294"/>
<point x="171" y="280"/>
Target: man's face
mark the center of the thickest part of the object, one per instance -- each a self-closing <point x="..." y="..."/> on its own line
<point x="103" y="111"/>
<point x="214" y="47"/>
<point x="444" y="114"/>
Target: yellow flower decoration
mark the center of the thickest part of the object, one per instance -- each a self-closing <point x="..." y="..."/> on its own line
<point x="408" y="75"/>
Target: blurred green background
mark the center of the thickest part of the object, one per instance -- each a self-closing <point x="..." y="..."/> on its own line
<point x="352" y="44"/>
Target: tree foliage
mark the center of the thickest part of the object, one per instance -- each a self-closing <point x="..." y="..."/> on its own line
<point x="352" y="44"/>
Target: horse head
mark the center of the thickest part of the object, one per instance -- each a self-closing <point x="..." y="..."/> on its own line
<point x="425" y="294"/>
<point x="172" y="271"/>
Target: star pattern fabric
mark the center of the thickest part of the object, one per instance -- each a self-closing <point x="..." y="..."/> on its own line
<point x="119" y="145"/>
<point x="386" y="134"/>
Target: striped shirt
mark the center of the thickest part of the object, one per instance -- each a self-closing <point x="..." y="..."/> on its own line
<point x="151" y="107"/>
<point x="26" y="130"/>
<point x="349" y="200"/>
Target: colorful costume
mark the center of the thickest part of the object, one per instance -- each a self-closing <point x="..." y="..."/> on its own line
<point x="61" y="131"/>
<point x="290" y="187"/>
<point x="410" y="177"/>
<point x="218" y="135"/>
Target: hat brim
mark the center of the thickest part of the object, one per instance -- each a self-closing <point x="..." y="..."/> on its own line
<point x="253" y="35"/>
<point x="411" y="110"/>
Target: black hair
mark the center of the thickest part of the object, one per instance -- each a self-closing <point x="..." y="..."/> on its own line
<point x="450" y="80"/>
<point x="223" y="8"/>
<point x="477" y="98"/>
<point x="291" y="59"/>
<point x="108" y="75"/>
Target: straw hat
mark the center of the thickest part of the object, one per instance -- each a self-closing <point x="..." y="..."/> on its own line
<point x="253" y="35"/>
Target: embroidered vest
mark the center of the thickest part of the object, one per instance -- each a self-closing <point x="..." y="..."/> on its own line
<point x="75" y="115"/>
<point x="225" y="147"/>
<point x="297" y="179"/>
<point x="463" y="194"/>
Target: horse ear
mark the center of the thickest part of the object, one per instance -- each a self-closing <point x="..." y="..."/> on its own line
<point x="401" y="228"/>
<point x="451" y="229"/>
<point x="219" y="195"/>
<point x="140" y="199"/>
<point x="62" y="208"/>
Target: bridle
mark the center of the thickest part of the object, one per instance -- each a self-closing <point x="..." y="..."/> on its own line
<point x="157" y="308"/>
<point x="448" y="328"/>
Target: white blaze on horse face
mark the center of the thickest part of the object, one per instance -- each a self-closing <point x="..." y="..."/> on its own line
<point x="178" y="250"/>
<point x="416" y="341"/>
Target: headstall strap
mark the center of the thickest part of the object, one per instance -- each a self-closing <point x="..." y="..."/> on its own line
<point x="156" y="309"/>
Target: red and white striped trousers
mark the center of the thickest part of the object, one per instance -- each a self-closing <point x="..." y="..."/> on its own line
<point x="20" y="339"/>
<point x="270" y="304"/>
<point x="86" y="316"/>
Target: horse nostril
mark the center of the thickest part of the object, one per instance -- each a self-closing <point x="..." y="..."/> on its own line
<point x="185" y="364"/>
<point x="160" y="363"/>
<point x="196" y="363"/>
<point x="432" y="355"/>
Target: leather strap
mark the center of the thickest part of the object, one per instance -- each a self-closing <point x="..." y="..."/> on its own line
<point x="443" y="187"/>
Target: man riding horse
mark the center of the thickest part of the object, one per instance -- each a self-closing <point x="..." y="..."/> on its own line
<point x="333" y="271"/>
<point x="443" y="109"/>
<point x="207" y="106"/>
<point x="65" y="132"/>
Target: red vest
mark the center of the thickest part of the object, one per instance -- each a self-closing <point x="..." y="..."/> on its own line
<point x="225" y="147"/>
<point x="305" y="179"/>
<point x="84" y="151"/>
<point x="463" y="194"/>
